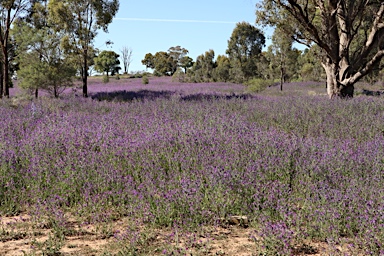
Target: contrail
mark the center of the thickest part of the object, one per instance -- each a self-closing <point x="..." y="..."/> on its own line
<point x="170" y="20"/>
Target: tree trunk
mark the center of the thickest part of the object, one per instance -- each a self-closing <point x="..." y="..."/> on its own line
<point x="5" y="74"/>
<point x="1" y="80"/>
<point x="281" y="78"/>
<point x="85" y="74"/>
<point x="335" y="88"/>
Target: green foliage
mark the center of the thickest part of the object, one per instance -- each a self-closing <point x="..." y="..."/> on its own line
<point x="148" y="61"/>
<point x="186" y="62"/>
<point x="282" y="58"/>
<point x="310" y="67"/>
<point x="179" y="76"/>
<point x="145" y="80"/>
<point x="244" y="48"/>
<point x="203" y="69"/>
<point x="80" y="21"/>
<point x="257" y="84"/>
<point x="223" y="67"/>
<point x="41" y="59"/>
<point x="167" y="63"/>
<point x="350" y="45"/>
<point x="108" y="62"/>
<point x="10" y="11"/>
<point x="105" y="79"/>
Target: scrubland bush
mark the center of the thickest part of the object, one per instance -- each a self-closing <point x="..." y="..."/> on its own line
<point x="257" y="84"/>
<point x="145" y="80"/>
<point x="105" y="79"/>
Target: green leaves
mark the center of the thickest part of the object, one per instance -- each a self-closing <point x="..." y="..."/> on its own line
<point x="108" y="62"/>
<point x="244" y="47"/>
<point x="80" y="20"/>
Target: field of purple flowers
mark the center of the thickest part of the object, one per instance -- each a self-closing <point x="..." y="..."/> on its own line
<point x="301" y="168"/>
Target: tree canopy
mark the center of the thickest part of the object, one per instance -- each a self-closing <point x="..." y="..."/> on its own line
<point x="80" y="21"/>
<point x="244" y="47"/>
<point x="10" y="10"/>
<point x="167" y="63"/>
<point x="108" y="62"/>
<point x="348" y="32"/>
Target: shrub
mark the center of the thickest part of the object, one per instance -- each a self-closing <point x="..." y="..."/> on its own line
<point x="105" y="79"/>
<point x="257" y="84"/>
<point x="179" y="76"/>
<point x="145" y="80"/>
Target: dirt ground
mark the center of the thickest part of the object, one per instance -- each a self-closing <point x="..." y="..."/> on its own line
<point x="20" y="236"/>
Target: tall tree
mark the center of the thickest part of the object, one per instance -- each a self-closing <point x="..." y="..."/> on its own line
<point x="244" y="48"/>
<point x="309" y="65"/>
<point x="350" y="34"/>
<point x="40" y="56"/>
<point x="284" y="55"/>
<point x="167" y="63"/>
<point x="81" y="20"/>
<point x="222" y="71"/>
<point x="9" y="11"/>
<point x="185" y="63"/>
<point x="203" y="68"/>
<point x="126" y="56"/>
<point x="29" y="32"/>
<point x="177" y="53"/>
<point x="162" y="63"/>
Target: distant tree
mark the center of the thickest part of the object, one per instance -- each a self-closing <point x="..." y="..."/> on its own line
<point x="52" y="74"/>
<point x="164" y="64"/>
<point x="148" y="61"/>
<point x="80" y="20"/>
<point x="177" y="53"/>
<point x="349" y="33"/>
<point x="244" y="48"/>
<point x="310" y="67"/>
<point x="126" y="56"/>
<point x="203" y="68"/>
<point x="161" y="62"/>
<point x="30" y="31"/>
<point x="186" y="62"/>
<point x="167" y="63"/>
<point x="223" y="67"/>
<point x="264" y="65"/>
<point x="10" y="10"/>
<point x="284" y="57"/>
<point x="108" y="62"/>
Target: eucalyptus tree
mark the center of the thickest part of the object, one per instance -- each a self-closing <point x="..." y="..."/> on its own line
<point x="350" y="33"/>
<point x="41" y="58"/>
<point x="244" y="48"/>
<point x="80" y="20"/>
<point x="223" y="67"/>
<point x="177" y="54"/>
<point x="283" y="54"/>
<point x="203" y="68"/>
<point x="108" y="62"/>
<point x="9" y="11"/>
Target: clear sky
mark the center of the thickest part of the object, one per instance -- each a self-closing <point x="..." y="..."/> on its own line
<point x="150" y="26"/>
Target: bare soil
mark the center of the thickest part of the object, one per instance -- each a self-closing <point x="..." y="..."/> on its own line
<point x="20" y="236"/>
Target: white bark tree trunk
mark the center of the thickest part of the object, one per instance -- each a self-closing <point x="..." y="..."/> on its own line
<point x="337" y="85"/>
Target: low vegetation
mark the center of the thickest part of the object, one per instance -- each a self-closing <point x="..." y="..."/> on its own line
<point x="303" y="170"/>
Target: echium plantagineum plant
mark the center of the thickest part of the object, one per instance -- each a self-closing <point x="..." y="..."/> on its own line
<point x="304" y="164"/>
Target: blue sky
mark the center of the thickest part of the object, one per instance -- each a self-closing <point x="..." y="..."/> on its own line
<point x="149" y="26"/>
